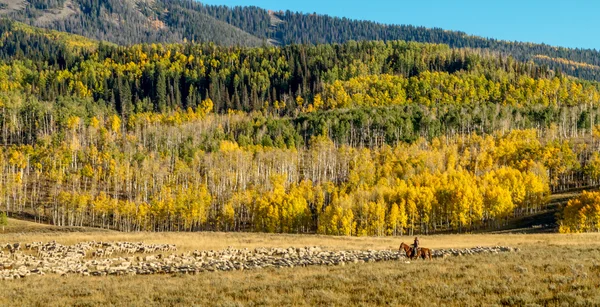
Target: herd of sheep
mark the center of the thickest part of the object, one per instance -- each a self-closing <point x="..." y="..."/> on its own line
<point x="125" y="258"/>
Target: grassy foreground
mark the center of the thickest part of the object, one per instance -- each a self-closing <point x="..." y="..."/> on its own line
<point x="550" y="269"/>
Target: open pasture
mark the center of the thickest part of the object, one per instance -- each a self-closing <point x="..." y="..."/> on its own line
<point x="548" y="269"/>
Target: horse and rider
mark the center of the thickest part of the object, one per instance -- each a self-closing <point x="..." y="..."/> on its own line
<point x="415" y="251"/>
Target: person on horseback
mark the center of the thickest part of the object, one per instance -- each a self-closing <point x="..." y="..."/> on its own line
<point x="415" y="247"/>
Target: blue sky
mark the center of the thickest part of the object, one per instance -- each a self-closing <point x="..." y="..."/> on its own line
<point x="568" y="23"/>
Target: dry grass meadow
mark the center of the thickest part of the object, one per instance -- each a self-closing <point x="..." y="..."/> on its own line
<point x="549" y="270"/>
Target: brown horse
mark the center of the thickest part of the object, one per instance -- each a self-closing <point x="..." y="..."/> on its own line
<point x="407" y="249"/>
<point x="424" y="253"/>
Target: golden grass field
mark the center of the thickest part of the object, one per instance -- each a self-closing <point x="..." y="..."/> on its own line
<point x="549" y="270"/>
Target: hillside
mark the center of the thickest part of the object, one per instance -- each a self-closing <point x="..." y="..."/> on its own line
<point x="126" y="22"/>
<point x="360" y="138"/>
<point x="158" y="21"/>
<point x="295" y="28"/>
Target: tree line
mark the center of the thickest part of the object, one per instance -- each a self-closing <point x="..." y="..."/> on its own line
<point x="161" y="172"/>
<point x="283" y="81"/>
<point x="313" y="28"/>
<point x="360" y="138"/>
<point x="177" y="21"/>
<point x="154" y="177"/>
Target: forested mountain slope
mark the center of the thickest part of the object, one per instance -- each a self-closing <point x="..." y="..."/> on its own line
<point x="359" y="138"/>
<point x="149" y="21"/>
<point x="127" y="21"/>
<point x="292" y="27"/>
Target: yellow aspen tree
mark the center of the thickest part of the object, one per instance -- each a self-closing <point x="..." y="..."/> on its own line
<point x="393" y="217"/>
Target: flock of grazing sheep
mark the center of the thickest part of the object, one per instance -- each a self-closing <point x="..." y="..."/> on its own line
<point x="19" y="260"/>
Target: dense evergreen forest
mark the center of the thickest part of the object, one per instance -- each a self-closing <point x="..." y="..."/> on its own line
<point x="175" y="21"/>
<point x="131" y="21"/>
<point x="358" y="138"/>
<point x="295" y="28"/>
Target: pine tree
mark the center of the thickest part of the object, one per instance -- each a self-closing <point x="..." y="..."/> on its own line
<point x="160" y="89"/>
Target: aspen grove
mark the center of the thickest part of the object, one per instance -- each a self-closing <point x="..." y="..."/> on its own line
<point x="360" y="138"/>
